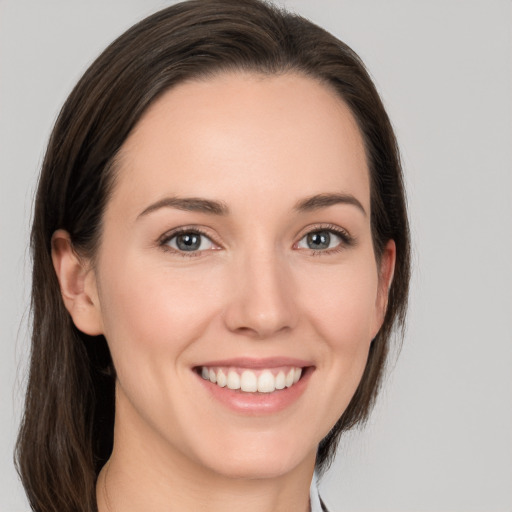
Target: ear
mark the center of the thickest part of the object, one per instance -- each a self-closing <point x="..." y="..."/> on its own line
<point x="386" y="272"/>
<point x="77" y="285"/>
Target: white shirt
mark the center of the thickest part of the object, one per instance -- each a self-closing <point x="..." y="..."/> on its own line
<point x="314" y="498"/>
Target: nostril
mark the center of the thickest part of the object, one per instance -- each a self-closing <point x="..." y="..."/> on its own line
<point x="262" y="331"/>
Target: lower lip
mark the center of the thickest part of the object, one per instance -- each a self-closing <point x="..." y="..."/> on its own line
<point x="258" y="403"/>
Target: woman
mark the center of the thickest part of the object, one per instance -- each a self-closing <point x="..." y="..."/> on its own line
<point x="221" y="251"/>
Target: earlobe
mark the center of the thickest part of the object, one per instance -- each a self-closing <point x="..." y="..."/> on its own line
<point x="77" y="284"/>
<point x="386" y="273"/>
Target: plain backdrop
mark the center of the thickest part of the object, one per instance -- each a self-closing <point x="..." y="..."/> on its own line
<point x="440" y="438"/>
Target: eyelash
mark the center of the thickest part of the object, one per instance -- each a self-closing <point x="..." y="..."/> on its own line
<point x="347" y="240"/>
<point x="167" y="237"/>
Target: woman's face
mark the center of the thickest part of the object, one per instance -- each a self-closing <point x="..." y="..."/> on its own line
<point x="237" y="245"/>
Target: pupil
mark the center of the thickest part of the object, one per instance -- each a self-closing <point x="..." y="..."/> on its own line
<point x="188" y="242"/>
<point x="319" y="240"/>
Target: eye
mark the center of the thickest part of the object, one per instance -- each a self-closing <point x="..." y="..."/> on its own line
<point x="319" y="240"/>
<point x="189" y="241"/>
<point x="324" y="240"/>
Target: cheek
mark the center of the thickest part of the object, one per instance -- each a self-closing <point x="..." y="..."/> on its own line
<point x="151" y="313"/>
<point x="341" y="304"/>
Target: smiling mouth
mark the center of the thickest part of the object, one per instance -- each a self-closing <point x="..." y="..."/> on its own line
<point x="245" y="380"/>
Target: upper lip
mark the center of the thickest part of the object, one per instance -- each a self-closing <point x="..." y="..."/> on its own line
<point x="259" y="363"/>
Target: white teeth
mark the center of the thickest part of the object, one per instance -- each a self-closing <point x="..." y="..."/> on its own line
<point x="280" y="381"/>
<point x="248" y="382"/>
<point x="252" y="381"/>
<point x="289" y="378"/>
<point x="266" y="382"/>
<point x="233" y="380"/>
<point x="222" y="380"/>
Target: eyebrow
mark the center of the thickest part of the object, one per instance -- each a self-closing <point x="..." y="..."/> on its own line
<point x="196" y="204"/>
<point x="190" y="204"/>
<point x="324" y="200"/>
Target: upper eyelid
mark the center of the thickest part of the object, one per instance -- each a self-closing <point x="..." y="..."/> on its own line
<point x="324" y="227"/>
<point x="168" y="235"/>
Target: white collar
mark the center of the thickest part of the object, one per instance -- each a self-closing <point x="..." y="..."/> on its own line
<point x="314" y="497"/>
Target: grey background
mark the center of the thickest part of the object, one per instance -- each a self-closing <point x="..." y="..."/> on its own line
<point x="440" y="438"/>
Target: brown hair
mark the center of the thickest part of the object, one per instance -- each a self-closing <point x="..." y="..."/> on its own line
<point x="67" y="430"/>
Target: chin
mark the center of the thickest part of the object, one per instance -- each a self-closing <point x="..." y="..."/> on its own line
<point x="261" y="458"/>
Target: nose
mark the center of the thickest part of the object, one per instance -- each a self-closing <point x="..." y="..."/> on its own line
<point x="262" y="303"/>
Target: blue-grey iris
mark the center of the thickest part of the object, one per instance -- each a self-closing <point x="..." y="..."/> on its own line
<point x="319" y="240"/>
<point x="188" y="241"/>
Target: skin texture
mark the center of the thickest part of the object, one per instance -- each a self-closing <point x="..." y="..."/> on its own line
<point x="259" y="145"/>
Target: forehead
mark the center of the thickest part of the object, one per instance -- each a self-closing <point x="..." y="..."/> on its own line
<point x="244" y="133"/>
